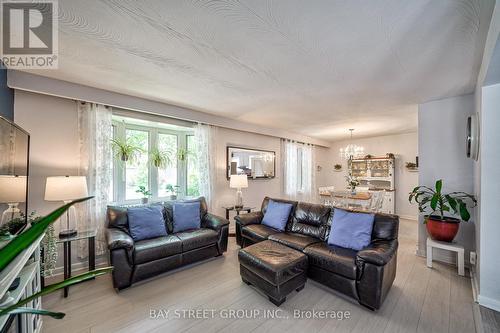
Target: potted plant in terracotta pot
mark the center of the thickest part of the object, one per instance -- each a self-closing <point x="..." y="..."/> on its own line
<point x="439" y="224"/>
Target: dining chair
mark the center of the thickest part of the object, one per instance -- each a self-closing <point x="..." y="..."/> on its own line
<point x="377" y="201"/>
<point x="325" y="193"/>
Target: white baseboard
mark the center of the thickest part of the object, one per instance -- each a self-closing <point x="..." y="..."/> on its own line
<point x="478" y="321"/>
<point x="474" y="282"/>
<point x="420" y="252"/>
<point x="488" y="302"/>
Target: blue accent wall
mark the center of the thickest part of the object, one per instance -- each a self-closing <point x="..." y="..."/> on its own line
<point x="6" y="97"/>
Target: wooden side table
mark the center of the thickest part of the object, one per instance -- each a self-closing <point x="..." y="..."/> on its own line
<point x="237" y="210"/>
<point x="66" y="241"/>
<point x="459" y="249"/>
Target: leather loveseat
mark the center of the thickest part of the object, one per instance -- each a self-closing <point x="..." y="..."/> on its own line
<point x="136" y="261"/>
<point x="365" y="275"/>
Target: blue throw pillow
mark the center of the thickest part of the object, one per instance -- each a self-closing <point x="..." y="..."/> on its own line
<point x="186" y="216"/>
<point x="146" y="222"/>
<point x="277" y="214"/>
<point x="351" y="230"/>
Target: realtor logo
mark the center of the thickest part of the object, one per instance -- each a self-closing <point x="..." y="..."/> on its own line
<point x="29" y="34"/>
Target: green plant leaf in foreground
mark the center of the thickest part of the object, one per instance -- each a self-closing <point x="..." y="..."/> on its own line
<point x="439" y="185"/>
<point x="56" y="286"/>
<point x="25" y="239"/>
<point x="55" y="315"/>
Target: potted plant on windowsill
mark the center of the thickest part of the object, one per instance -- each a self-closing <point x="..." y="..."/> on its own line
<point x="439" y="226"/>
<point x="173" y="190"/>
<point x="146" y="194"/>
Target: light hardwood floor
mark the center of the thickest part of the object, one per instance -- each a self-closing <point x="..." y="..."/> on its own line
<point x="421" y="300"/>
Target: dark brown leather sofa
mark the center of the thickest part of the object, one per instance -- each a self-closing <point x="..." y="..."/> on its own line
<point x="136" y="261"/>
<point x="365" y="275"/>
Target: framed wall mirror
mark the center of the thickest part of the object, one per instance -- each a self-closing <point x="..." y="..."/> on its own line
<point x="14" y="155"/>
<point x="255" y="163"/>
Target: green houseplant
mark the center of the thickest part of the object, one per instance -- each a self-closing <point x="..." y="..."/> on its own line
<point x="439" y="224"/>
<point x="173" y="190"/>
<point x="411" y="166"/>
<point x="24" y="240"/>
<point x="161" y="159"/>
<point x="14" y="227"/>
<point x="183" y="153"/>
<point x="146" y="193"/>
<point x="125" y="149"/>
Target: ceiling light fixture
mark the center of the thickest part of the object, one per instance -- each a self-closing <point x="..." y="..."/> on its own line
<point x="351" y="150"/>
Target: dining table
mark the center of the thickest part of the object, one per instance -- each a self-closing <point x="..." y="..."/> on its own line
<point x="348" y="199"/>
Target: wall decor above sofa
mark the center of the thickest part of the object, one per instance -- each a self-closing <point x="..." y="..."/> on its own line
<point x="255" y="163"/>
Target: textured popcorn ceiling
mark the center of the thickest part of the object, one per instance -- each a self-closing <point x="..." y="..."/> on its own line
<point x="313" y="67"/>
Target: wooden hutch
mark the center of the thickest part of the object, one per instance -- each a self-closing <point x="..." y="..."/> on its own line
<point x="378" y="174"/>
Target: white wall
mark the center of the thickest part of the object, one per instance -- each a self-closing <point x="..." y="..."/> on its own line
<point x="441" y="127"/>
<point x="48" y="86"/>
<point x="487" y="106"/>
<point x="52" y="123"/>
<point x="404" y="146"/>
<point x="257" y="189"/>
<point x="489" y="292"/>
<point x="53" y="127"/>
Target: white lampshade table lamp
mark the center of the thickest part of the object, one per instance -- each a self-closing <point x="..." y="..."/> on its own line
<point x="13" y="191"/>
<point x="238" y="182"/>
<point x="66" y="189"/>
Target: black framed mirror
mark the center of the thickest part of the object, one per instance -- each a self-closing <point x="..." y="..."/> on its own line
<point x="255" y="163"/>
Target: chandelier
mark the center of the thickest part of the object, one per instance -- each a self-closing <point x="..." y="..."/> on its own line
<point x="351" y="150"/>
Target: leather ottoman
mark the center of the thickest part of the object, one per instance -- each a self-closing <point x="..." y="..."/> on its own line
<point x="273" y="268"/>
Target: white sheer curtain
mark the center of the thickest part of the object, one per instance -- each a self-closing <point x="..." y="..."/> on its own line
<point x="289" y="153"/>
<point x="95" y="133"/>
<point x="206" y="154"/>
<point x="299" y="176"/>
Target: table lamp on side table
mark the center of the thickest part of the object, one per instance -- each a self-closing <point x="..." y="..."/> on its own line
<point x="238" y="182"/>
<point x="66" y="189"/>
<point x="13" y="192"/>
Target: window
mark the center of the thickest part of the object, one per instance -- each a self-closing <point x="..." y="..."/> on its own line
<point x="192" y="172"/>
<point x="298" y="161"/>
<point x="167" y="176"/>
<point x="300" y="170"/>
<point x="137" y="168"/>
<point x="174" y="176"/>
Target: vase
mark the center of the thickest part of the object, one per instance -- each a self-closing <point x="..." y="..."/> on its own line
<point x="442" y="230"/>
<point x="144" y="201"/>
<point x="353" y="191"/>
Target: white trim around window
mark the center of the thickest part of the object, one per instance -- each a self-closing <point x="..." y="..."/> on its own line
<point x="119" y="170"/>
